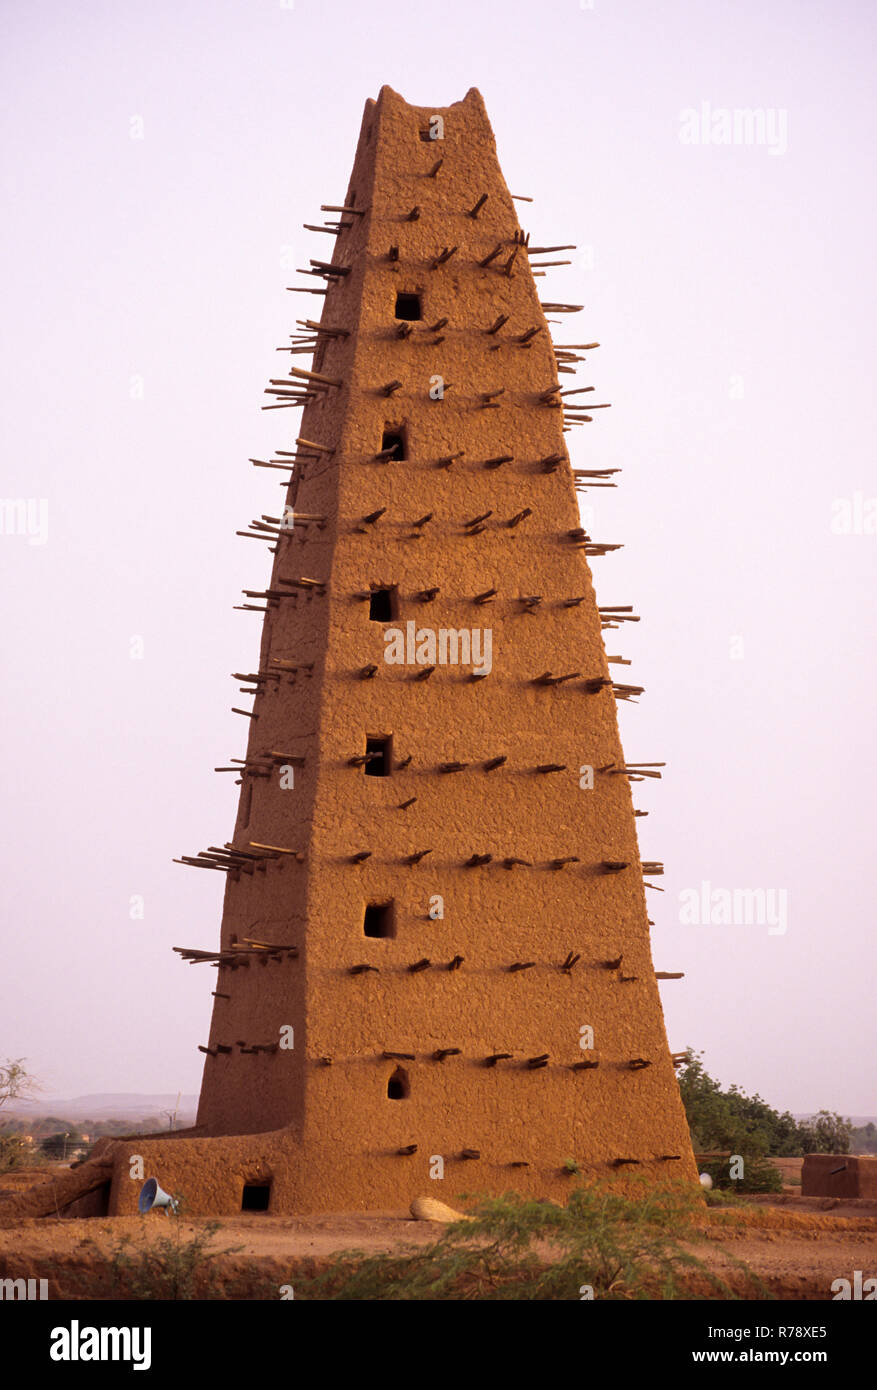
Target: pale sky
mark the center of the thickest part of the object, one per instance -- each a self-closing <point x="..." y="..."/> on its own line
<point x="158" y="162"/>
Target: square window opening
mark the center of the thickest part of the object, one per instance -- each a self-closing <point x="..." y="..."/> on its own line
<point x="379" y="920"/>
<point x="378" y="755"/>
<point x="393" y="443"/>
<point x="408" y="306"/>
<point x="383" y="605"/>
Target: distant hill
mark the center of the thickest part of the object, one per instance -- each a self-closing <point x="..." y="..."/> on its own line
<point x="134" y="1105"/>
<point x="122" y="1105"/>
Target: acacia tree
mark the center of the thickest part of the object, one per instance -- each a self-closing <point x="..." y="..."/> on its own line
<point x="15" y="1081"/>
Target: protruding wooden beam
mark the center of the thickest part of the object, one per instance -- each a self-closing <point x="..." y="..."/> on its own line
<point x="548" y="679"/>
<point x="492" y="256"/>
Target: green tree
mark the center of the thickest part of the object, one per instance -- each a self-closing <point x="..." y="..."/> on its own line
<point x="732" y="1121"/>
<point x="826" y="1133"/>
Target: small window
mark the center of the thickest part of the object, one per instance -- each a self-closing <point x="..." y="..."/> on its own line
<point x="378" y="752"/>
<point x="408" y="306"/>
<point x="393" y="439"/>
<point x="426" y="134"/>
<point x="398" y="1086"/>
<point x="378" y="920"/>
<point x="383" y="605"/>
<point x="246" y="799"/>
<point x="256" y="1196"/>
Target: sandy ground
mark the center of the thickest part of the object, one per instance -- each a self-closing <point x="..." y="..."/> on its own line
<point x="796" y="1245"/>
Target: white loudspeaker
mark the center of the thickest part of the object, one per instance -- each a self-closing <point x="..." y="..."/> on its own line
<point x="151" y="1195"/>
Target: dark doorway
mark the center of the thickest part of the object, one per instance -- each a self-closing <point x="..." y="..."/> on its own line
<point x="256" y="1196"/>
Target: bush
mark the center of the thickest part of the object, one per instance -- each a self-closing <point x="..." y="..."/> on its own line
<point x="16" y="1153"/>
<point x="174" y="1267"/>
<point x="759" y="1175"/>
<point x="516" y="1248"/>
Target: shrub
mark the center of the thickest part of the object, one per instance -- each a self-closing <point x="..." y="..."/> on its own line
<point x="516" y="1248"/>
<point x="16" y="1153"/>
<point x="176" y="1266"/>
<point x="759" y="1175"/>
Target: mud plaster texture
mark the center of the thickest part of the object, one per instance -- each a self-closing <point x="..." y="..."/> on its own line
<point x="838" y="1175"/>
<point x="316" y="1121"/>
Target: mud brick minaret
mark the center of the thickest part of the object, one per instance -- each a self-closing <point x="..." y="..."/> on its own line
<point x="429" y="895"/>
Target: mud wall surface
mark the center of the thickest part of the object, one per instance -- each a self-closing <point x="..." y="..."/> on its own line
<point x="485" y="858"/>
<point x="838" y="1175"/>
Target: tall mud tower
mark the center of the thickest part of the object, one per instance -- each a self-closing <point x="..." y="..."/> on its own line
<point x="435" y="973"/>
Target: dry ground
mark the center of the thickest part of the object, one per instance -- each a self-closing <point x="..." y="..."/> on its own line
<point x="796" y="1245"/>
